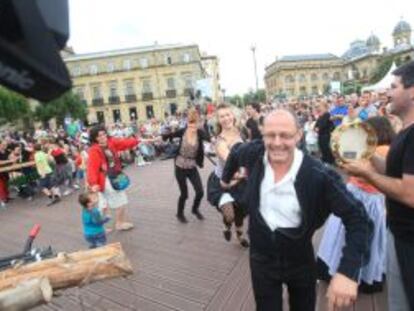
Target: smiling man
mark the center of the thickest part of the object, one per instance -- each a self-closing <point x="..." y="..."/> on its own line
<point x="289" y="195"/>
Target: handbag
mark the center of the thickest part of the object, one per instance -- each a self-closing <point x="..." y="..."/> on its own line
<point x="118" y="179"/>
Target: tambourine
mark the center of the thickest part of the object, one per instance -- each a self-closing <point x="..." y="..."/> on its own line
<point x="353" y="141"/>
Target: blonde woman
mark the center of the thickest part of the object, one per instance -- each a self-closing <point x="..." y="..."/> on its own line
<point x="228" y="202"/>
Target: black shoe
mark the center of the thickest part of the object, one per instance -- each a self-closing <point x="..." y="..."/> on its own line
<point x="227" y="235"/>
<point x="198" y="215"/>
<point x="182" y="219"/>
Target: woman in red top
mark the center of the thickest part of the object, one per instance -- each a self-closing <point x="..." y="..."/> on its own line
<point x="103" y="156"/>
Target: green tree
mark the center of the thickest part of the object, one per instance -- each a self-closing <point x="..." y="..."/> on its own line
<point x="68" y="104"/>
<point x="250" y="97"/>
<point x="353" y="86"/>
<point x="235" y="100"/>
<point x="13" y="107"/>
<point x="382" y="69"/>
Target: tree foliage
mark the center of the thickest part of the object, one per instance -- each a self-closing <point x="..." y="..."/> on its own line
<point x="242" y="100"/>
<point x="382" y="69"/>
<point x="350" y="87"/>
<point x="68" y="104"/>
<point x="13" y="107"/>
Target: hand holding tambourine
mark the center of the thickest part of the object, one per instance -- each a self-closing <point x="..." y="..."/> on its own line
<point x="352" y="142"/>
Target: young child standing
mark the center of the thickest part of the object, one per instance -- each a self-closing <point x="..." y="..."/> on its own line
<point x="92" y="219"/>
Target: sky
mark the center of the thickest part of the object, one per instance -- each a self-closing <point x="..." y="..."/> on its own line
<point x="228" y="29"/>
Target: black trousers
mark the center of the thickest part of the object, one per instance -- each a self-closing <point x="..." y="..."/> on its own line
<point x="405" y="256"/>
<point x="182" y="175"/>
<point x="270" y="274"/>
<point x="324" y="142"/>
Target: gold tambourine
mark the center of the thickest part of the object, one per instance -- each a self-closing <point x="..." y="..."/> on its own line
<point x="353" y="141"/>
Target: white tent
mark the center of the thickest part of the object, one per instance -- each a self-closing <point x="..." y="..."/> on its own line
<point x="384" y="83"/>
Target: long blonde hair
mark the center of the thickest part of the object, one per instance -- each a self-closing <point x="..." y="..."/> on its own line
<point x="217" y="127"/>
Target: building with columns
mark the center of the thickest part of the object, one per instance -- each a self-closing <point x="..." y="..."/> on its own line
<point x="135" y="84"/>
<point x="306" y="75"/>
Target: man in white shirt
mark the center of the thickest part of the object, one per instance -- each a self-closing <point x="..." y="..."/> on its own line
<point x="289" y="195"/>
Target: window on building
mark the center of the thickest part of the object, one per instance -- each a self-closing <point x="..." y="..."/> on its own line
<point x="188" y="82"/>
<point x="149" y="111"/>
<point x="302" y="78"/>
<point x="168" y="60"/>
<point x="302" y="90"/>
<point x="314" y="90"/>
<point x="325" y="76"/>
<point x="143" y="62"/>
<point x="289" y="79"/>
<point x="76" y="71"/>
<point x="171" y="83"/>
<point x="111" y="67"/>
<point x="146" y="86"/>
<point x="113" y="89"/>
<point x="127" y="64"/>
<point x="314" y="77"/>
<point x="186" y="57"/>
<point x="80" y="92"/>
<point x="100" y="117"/>
<point x="336" y="76"/>
<point x="173" y="109"/>
<point x="116" y="114"/>
<point x="129" y="87"/>
<point x="96" y="92"/>
<point x="133" y="116"/>
<point x="93" y="69"/>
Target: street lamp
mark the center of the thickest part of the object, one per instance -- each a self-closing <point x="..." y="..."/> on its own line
<point x="253" y="48"/>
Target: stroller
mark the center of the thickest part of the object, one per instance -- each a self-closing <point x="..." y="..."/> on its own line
<point x="28" y="254"/>
<point x="24" y="184"/>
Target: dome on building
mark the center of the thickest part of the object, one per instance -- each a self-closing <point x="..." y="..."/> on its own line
<point x="358" y="48"/>
<point x="401" y="27"/>
<point x="373" y="40"/>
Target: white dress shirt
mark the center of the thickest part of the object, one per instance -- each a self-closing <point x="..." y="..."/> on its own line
<point x="279" y="204"/>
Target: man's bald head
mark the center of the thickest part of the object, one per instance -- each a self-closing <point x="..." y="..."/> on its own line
<point x="283" y="113"/>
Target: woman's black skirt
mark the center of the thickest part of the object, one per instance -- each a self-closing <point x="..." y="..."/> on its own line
<point x="215" y="191"/>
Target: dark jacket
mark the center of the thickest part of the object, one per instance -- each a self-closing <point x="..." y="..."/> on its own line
<point x="202" y="136"/>
<point x="320" y="192"/>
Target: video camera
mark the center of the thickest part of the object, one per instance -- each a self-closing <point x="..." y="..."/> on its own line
<point x="32" y="32"/>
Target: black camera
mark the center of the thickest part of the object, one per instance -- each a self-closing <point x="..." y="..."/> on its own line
<point x="32" y="33"/>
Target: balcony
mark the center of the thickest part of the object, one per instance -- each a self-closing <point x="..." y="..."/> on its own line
<point x="97" y="101"/>
<point x="114" y="100"/>
<point x="171" y="93"/>
<point x="147" y="96"/>
<point x="131" y="98"/>
<point x="188" y="91"/>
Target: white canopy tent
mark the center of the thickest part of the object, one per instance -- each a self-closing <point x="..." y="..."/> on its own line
<point x="384" y="83"/>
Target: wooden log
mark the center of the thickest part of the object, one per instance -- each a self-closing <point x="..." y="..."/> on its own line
<point x="16" y="167"/>
<point x="75" y="269"/>
<point x="26" y="295"/>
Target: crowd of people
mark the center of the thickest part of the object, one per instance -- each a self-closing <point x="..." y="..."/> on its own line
<point x="273" y="162"/>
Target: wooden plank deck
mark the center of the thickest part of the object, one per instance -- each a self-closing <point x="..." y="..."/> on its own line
<point x="177" y="267"/>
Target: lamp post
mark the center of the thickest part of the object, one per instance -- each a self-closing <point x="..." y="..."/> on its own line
<point x="253" y="48"/>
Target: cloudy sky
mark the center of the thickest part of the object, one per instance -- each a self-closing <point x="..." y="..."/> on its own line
<point x="229" y="28"/>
